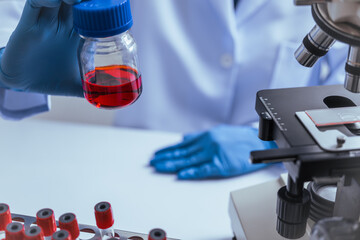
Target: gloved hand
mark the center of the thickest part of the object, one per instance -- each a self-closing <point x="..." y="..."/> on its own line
<point x="223" y="151"/>
<point x="41" y="55"/>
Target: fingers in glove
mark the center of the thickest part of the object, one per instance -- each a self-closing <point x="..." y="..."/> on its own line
<point x="71" y="2"/>
<point x="49" y="15"/>
<point x="174" y="165"/>
<point x="183" y="145"/>
<point x="46" y="10"/>
<point x="51" y="3"/>
<point x="191" y="135"/>
<point x="45" y="3"/>
<point x="206" y="170"/>
<point x="176" y="154"/>
<point x="66" y="15"/>
<point x="29" y="16"/>
<point x="38" y="10"/>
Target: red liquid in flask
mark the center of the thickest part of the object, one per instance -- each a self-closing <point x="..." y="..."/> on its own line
<point x="113" y="86"/>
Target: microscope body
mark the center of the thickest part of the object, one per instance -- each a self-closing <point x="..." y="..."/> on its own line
<point x="328" y="156"/>
<point x="317" y="130"/>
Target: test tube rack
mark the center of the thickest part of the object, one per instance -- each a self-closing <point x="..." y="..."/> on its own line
<point x="122" y="235"/>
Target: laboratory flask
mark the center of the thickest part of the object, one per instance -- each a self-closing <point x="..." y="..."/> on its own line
<point x="107" y="53"/>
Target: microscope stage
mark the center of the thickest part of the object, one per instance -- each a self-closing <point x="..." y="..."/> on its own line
<point x="291" y="118"/>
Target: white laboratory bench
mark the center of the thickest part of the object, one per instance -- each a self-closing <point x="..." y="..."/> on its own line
<point x="70" y="167"/>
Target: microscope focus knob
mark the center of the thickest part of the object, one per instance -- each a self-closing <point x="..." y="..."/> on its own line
<point x="292" y="213"/>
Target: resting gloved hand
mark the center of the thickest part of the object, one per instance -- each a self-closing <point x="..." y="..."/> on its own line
<point x="223" y="151"/>
<point x="41" y="55"/>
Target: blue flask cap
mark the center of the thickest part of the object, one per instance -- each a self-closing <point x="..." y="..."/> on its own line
<point x="102" y="18"/>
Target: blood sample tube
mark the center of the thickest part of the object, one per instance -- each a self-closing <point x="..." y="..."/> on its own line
<point x="61" y="235"/>
<point x="5" y="218"/>
<point x="104" y="219"/>
<point x="14" y="231"/>
<point x="157" y="234"/>
<point x="45" y="218"/>
<point x="68" y="222"/>
<point x="34" y="233"/>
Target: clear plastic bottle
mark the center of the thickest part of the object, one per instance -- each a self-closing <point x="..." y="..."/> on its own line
<point x="107" y="53"/>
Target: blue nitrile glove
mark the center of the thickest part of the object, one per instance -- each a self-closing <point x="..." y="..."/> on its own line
<point x="41" y="55"/>
<point x="223" y="151"/>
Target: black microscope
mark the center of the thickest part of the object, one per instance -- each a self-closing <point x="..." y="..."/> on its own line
<point x="317" y="130"/>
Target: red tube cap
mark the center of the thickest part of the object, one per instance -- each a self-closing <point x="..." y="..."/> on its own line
<point x="5" y="216"/>
<point x="68" y="222"/>
<point x="157" y="234"/>
<point x="34" y="233"/>
<point x="45" y="218"/>
<point x="61" y="235"/>
<point x="103" y="215"/>
<point x="14" y="231"/>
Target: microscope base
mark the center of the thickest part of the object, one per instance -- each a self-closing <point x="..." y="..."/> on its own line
<point x="252" y="212"/>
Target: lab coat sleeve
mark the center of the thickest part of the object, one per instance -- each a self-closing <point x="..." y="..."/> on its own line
<point x="16" y="105"/>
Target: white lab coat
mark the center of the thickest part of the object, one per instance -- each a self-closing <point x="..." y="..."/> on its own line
<point x="202" y="62"/>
